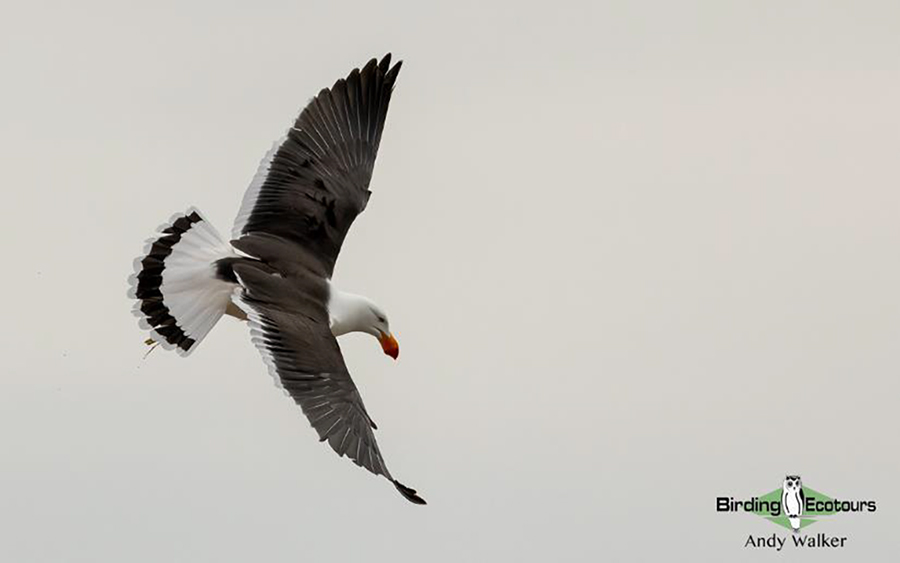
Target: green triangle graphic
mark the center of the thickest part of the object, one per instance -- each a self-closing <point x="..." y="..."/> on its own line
<point x="782" y="520"/>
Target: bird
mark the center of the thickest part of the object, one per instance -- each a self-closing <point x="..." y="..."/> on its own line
<point x="792" y="500"/>
<point x="275" y="271"/>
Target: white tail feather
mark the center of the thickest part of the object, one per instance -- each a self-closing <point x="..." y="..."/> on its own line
<point x="181" y="303"/>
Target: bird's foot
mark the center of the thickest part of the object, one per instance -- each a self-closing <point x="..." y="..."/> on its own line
<point x="153" y="344"/>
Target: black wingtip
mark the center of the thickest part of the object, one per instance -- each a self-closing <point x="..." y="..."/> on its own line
<point x="391" y="75"/>
<point x="382" y="67"/>
<point x="409" y="494"/>
<point x="370" y="67"/>
<point x="385" y="63"/>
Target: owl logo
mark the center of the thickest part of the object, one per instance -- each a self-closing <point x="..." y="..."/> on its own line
<point x="792" y="500"/>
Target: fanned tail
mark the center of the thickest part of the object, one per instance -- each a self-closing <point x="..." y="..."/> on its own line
<point x="179" y="296"/>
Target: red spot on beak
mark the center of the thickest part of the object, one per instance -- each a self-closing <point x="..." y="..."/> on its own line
<point x="390" y="345"/>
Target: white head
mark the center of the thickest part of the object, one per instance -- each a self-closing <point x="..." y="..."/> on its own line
<point x="355" y="313"/>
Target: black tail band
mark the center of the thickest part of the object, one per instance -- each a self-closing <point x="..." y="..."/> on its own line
<point x="150" y="280"/>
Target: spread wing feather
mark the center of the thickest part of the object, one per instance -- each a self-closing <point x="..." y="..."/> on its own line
<point x="290" y="328"/>
<point x="315" y="181"/>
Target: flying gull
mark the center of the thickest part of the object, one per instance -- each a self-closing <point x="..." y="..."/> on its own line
<point x="276" y="271"/>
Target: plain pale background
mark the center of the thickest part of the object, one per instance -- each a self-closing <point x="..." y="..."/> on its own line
<point x="637" y="255"/>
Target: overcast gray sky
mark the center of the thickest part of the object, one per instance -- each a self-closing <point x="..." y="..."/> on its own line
<point x="637" y="255"/>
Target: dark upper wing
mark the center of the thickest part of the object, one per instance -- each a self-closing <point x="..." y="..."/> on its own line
<point x="315" y="181"/>
<point x="289" y="326"/>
